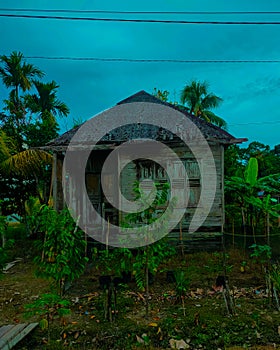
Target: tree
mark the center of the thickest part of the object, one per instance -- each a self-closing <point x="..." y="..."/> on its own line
<point x="19" y="173"/>
<point x="27" y="121"/>
<point x="246" y="190"/>
<point x="47" y="107"/>
<point x="161" y="94"/>
<point x="268" y="159"/>
<point x="46" y="102"/>
<point x="18" y="74"/>
<point x="196" y="96"/>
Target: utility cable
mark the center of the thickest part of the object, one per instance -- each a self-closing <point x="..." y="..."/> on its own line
<point x="146" y="12"/>
<point x="140" y="20"/>
<point x="132" y="60"/>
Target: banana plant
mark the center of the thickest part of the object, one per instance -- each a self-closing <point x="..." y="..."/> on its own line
<point x="244" y="190"/>
<point x="269" y="207"/>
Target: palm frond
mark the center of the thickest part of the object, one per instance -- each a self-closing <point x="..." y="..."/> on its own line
<point x="16" y="73"/>
<point x="211" y="101"/>
<point x="25" y="162"/>
<point x="7" y="146"/>
<point x="46" y="101"/>
<point x="195" y="95"/>
<point x="214" y="119"/>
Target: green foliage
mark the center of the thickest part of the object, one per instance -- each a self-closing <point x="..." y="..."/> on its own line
<point x="200" y="101"/>
<point x="148" y="258"/>
<point x="49" y="307"/>
<point x="261" y="253"/>
<point x="161" y="94"/>
<point x="104" y="260"/>
<point x="33" y="209"/>
<point x="268" y="159"/>
<point x="151" y="257"/>
<point x="160" y="192"/>
<point x="251" y="172"/>
<point x="182" y="283"/>
<point x="27" y="121"/>
<point x="244" y="201"/>
<point x="62" y="249"/>
<point x="275" y="276"/>
<point x="6" y="244"/>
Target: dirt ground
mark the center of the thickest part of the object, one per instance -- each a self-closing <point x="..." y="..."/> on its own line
<point x="202" y="322"/>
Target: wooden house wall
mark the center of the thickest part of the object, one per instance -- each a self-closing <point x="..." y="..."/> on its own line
<point x="210" y="229"/>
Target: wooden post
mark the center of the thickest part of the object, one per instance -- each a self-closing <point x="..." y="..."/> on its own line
<point x="223" y="187"/>
<point x="54" y="181"/>
<point x="58" y="202"/>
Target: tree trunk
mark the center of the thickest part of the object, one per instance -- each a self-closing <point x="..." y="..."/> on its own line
<point x="268" y="229"/>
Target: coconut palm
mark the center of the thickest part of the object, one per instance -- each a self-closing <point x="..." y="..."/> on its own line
<point x="21" y="174"/>
<point x="17" y="74"/>
<point x="199" y="101"/>
<point x="45" y="102"/>
<point x="24" y="163"/>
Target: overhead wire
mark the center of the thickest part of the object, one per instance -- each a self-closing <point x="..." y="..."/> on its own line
<point x="134" y="60"/>
<point x="256" y="123"/>
<point x="150" y="21"/>
<point x="140" y="20"/>
<point x="145" y="12"/>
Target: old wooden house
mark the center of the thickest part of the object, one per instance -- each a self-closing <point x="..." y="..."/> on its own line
<point x="141" y="104"/>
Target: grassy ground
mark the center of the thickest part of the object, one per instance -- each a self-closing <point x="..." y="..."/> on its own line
<point x="203" y="322"/>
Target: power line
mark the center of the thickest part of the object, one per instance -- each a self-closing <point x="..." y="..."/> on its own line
<point x="257" y="123"/>
<point x="132" y="60"/>
<point x="140" y="20"/>
<point x="146" y="12"/>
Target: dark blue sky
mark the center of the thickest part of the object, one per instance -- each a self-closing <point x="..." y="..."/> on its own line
<point x="250" y="90"/>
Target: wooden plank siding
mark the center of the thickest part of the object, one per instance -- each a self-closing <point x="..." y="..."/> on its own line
<point x="135" y="116"/>
<point x="143" y="169"/>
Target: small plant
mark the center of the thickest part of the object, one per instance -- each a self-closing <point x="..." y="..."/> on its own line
<point x="261" y="253"/>
<point x="104" y="260"/>
<point x="63" y="249"/>
<point x="33" y="211"/>
<point x="48" y="307"/>
<point x="243" y="265"/>
<point x="6" y="244"/>
<point x="150" y="256"/>
<point x="182" y="286"/>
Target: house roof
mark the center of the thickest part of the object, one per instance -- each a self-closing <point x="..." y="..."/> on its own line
<point x="127" y="132"/>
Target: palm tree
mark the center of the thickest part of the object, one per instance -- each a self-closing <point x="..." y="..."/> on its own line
<point x="197" y="98"/>
<point x="45" y="102"/>
<point x="24" y="163"/>
<point x="46" y="106"/>
<point x="18" y="74"/>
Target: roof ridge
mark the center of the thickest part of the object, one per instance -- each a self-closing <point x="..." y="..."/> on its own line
<point x="195" y="119"/>
<point x="209" y="130"/>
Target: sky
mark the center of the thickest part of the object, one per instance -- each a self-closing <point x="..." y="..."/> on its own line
<point x="250" y="91"/>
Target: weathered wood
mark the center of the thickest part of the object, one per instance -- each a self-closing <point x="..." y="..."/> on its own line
<point x="143" y="107"/>
<point x="5" y="329"/>
<point x="11" y="264"/>
<point x="54" y="181"/>
<point x="10" y="335"/>
<point x="58" y="197"/>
